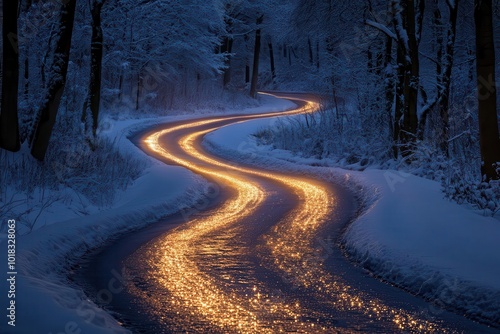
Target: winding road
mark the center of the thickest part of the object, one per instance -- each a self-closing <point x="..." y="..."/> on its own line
<point x="261" y="255"/>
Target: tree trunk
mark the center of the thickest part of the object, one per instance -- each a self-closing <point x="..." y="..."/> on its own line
<point x="486" y="86"/>
<point x="227" y="47"/>
<point x="120" y="85"/>
<point x="399" y="103"/>
<point x="446" y="82"/>
<point x="309" y="47"/>
<point x="444" y="69"/>
<point x="336" y="104"/>
<point x="26" y="76"/>
<point x="389" y="85"/>
<point x="437" y="23"/>
<point x="50" y="106"/>
<point x="256" y="56"/>
<point x="317" y="54"/>
<point x="271" y="59"/>
<point x="420" y="4"/>
<point x="369" y="60"/>
<point x="405" y="26"/>
<point x="412" y="77"/>
<point x="9" y="124"/>
<point x="138" y="92"/>
<point x="94" y="92"/>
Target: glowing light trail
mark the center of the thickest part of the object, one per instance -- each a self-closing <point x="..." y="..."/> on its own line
<point x="198" y="295"/>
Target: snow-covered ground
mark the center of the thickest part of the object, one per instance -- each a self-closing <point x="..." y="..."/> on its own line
<point x="45" y="301"/>
<point x="407" y="233"/>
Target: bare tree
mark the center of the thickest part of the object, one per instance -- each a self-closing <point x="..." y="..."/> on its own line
<point x="405" y="25"/>
<point x="271" y="59"/>
<point x="256" y="56"/>
<point x="9" y="125"/>
<point x="93" y="100"/>
<point x="486" y="85"/>
<point x="48" y="110"/>
<point x="444" y="66"/>
<point x="227" y="44"/>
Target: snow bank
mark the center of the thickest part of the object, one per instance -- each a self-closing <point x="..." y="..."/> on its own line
<point x="415" y="238"/>
<point x="408" y="233"/>
<point x="46" y="301"/>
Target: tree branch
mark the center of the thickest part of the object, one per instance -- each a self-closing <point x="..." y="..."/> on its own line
<point x="382" y="28"/>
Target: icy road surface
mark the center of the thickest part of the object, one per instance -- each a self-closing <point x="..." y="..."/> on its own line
<point x="260" y="255"/>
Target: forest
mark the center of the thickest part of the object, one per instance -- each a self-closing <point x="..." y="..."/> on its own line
<point x="406" y="84"/>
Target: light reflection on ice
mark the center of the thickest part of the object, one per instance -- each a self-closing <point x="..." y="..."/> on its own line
<point x="181" y="264"/>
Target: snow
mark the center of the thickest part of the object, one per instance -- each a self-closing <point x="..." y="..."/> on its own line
<point x="414" y="218"/>
<point x="400" y="30"/>
<point x="414" y="237"/>
<point x="382" y="28"/>
<point x="237" y="137"/>
<point x="46" y="255"/>
<point x="407" y="234"/>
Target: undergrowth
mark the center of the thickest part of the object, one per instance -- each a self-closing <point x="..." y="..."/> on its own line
<point x="70" y="170"/>
<point x="346" y="141"/>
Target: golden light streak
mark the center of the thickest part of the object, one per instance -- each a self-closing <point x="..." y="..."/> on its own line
<point x="176" y="256"/>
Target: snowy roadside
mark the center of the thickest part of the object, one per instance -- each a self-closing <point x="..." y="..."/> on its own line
<point x="407" y="233"/>
<point x="45" y="300"/>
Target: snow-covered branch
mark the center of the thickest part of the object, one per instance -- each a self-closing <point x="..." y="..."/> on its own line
<point x="382" y="28"/>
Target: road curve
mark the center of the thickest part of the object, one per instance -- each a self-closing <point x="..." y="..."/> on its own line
<point x="259" y="261"/>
